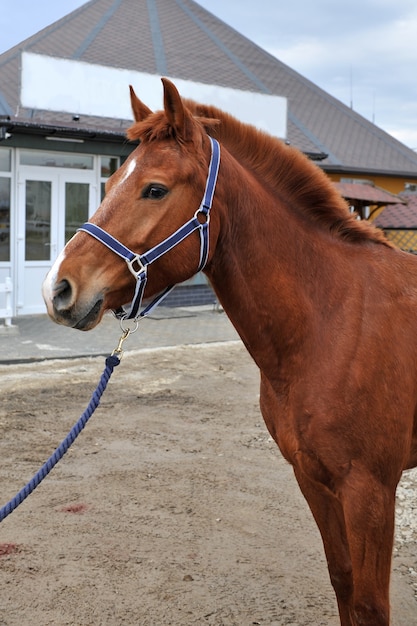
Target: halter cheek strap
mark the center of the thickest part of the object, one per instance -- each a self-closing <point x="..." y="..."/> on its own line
<point x="138" y="263"/>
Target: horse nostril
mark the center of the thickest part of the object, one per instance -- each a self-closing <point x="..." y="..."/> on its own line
<point x="62" y="295"/>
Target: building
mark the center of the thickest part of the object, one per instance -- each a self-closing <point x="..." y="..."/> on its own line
<point x="399" y="221"/>
<point x="64" y="112"/>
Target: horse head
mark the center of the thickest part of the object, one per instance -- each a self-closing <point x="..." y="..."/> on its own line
<point x="156" y="191"/>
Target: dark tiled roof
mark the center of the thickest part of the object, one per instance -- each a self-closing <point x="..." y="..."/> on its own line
<point x="400" y="215"/>
<point x="367" y="194"/>
<point x="180" y="39"/>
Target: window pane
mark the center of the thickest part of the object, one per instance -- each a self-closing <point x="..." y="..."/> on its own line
<point x="38" y="220"/>
<point x="76" y="207"/>
<point x="4" y="219"/>
<point x="108" y="166"/>
<point x="5" y="160"/>
<point x="57" y="159"/>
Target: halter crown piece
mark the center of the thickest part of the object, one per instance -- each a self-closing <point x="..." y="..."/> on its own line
<point x="138" y="263"/>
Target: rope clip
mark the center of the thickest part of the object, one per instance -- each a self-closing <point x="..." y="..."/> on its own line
<point x="119" y="350"/>
<point x="126" y="331"/>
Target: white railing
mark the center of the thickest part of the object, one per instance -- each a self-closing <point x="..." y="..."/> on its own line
<point x="7" y="312"/>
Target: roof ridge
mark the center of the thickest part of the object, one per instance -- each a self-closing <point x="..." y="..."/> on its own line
<point x="97" y="29"/>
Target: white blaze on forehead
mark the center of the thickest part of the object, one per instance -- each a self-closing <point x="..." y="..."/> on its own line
<point x="50" y="280"/>
<point x="129" y="170"/>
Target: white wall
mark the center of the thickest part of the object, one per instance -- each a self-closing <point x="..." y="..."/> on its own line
<point x="86" y="89"/>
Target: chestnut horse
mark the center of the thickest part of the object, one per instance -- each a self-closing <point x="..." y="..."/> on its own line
<point x="324" y="304"/>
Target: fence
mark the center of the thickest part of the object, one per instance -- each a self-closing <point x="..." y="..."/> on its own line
<point x="7" y="312"/>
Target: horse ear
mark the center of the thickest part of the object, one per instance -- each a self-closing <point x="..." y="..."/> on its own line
<point x="178" y="116"/>
<point x="140" y="110"/>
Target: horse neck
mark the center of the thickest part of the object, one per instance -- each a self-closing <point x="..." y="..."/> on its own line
<point x="262" y="267"/>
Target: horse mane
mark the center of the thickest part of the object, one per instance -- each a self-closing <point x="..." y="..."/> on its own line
<point x="285" y="169"/>
<point x="301" y="183"/>
<point x="156" y="127"/>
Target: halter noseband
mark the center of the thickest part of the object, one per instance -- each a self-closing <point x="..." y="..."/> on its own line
<point x="138" y="263"/>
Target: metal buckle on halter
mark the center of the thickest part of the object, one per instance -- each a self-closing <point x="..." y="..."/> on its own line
<point x="141" y="266"/>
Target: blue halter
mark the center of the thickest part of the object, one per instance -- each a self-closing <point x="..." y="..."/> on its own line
<point x="138" y="263"/>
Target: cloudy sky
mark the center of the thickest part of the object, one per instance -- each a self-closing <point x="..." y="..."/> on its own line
<point x="363" y="52"/>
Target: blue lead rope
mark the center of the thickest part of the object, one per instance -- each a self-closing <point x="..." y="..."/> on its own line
<point x="111" y="362"/>
<point x="141" y="261"/>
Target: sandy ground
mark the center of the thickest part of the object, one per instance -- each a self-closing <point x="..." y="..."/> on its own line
<point x="173" y="506"/>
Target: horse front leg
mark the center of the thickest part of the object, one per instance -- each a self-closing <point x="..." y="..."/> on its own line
<point x="328" y="514"/>
<point x="325" y="506"/>
<point x="356" y="522"/>
<point x="357" y="528"/>
<point x="369" y="509"/>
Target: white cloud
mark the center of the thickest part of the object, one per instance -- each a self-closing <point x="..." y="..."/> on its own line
<point x="372" y="64"/>
<point x="406" y="136"/>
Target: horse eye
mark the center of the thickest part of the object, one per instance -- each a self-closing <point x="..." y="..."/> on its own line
<point x="154" y="192"/>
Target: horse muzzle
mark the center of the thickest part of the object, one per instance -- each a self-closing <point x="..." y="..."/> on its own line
<point x="64" y="308"/>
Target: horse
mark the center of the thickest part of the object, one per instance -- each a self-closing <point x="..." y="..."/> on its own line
<point x="324" y="304"/>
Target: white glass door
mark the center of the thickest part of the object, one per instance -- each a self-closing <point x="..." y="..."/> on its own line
<point x="52" y="204"/>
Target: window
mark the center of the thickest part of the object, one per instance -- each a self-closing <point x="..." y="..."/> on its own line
<point x="38" y="220"/>
<point x="57" y="159"/>
<point x="76" y="207"/>
<point x="5" y="160"/>
<point x="5" y="185"/>
<point x="4" y="219"/>
<point x="108" y="165"/>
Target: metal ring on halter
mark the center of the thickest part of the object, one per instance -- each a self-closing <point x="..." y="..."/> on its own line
<point x="205" y="214"/>
<point x="134" y="321"/>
